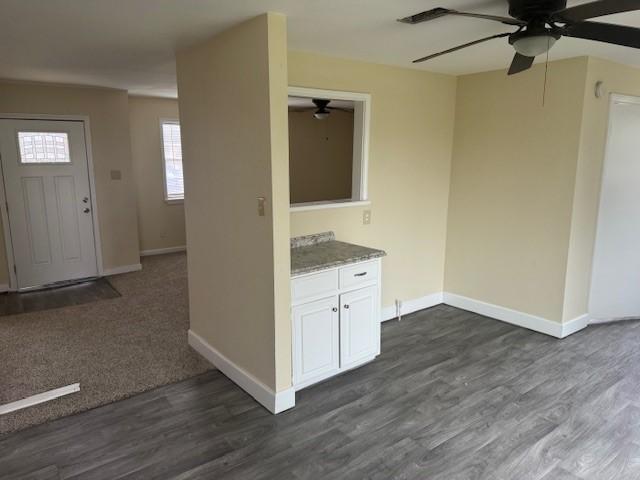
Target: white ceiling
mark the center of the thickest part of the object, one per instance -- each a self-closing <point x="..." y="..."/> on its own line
<point x="131" y="44"/>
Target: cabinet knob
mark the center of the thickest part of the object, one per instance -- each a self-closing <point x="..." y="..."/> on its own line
<point x="334" y="309"/>
<point x="346" y="306"/>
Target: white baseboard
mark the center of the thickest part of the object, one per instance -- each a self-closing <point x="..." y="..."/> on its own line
<point x="410" y="306"/>
<point x="272" y="401"/>
<point x="575" y="325"/>
<point x="123" y="269"/>
<point x="532" y="322"/>
<point x="162" y="251"/>
<point x="39" y="398"/>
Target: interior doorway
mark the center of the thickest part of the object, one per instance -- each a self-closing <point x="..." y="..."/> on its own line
<point x="615" y="282"/>
<point x="49" y="208"/>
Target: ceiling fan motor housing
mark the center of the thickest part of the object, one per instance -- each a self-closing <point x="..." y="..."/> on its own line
<point x="528" y="10"/>
<point x="540" y="23"/>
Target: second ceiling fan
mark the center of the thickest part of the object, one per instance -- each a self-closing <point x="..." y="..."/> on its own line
<point x="540" y="23"/>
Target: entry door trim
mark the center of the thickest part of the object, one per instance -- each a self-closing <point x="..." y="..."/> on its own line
<point x="13" y="281"/>
<point x="614" y="97"/>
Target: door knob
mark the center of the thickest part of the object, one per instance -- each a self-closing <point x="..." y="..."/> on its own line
<point x="86" y="210"/>
<point x="85" y="200"/>
<point x="346" y="306"/>
<point x="334" y="309"/>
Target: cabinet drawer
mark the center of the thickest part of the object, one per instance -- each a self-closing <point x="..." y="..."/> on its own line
<point x="359" y="274"/>
<point x="314" y="285"/>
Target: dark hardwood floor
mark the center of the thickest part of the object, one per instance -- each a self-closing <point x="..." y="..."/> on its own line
<point x="453" y="396"/>
<point x="13" y="303"/>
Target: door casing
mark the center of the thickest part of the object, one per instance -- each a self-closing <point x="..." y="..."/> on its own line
<point x="4" y="214"/>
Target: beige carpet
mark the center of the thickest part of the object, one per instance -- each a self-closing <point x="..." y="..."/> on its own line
<point x="114" y="348"/>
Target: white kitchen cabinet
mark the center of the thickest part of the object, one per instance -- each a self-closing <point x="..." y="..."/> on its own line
<point x="316" y="347"/>
<point x="336" y="320"/>
<point x="358" y="340"/>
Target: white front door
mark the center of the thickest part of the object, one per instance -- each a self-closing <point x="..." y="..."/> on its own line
<point x="615" y="281"/>
<point x="46" y="179"/>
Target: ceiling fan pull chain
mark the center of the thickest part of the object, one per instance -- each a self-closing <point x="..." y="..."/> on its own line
<point x="546" y="70"/>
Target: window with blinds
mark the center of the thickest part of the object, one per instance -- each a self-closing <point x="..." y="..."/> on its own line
<point x="172" y="159"/>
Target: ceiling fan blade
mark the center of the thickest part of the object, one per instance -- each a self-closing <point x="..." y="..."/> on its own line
<point x="596" y="9"/>
<point x="460" y="47"/>
<point x="520" y="63"/>
<point x="441" y="12"/>
<point x="605" y="32"/>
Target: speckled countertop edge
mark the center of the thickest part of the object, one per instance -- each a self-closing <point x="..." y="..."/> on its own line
<point x="313" y="239"/>
<point x="322" y="252"/>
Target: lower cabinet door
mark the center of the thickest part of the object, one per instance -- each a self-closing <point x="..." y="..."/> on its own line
<point x="358" y="324"/>
<point x="315" y="341"/>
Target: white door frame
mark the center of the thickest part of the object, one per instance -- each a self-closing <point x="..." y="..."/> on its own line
<point x="613" y="98"/>
<point x="4" y="214"/>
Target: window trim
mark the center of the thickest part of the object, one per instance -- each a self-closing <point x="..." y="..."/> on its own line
<point x="167" y="199"/>
<point x="361" y="128"/>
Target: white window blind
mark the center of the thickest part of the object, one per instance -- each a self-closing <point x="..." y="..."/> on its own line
<point x="172" y="152"/>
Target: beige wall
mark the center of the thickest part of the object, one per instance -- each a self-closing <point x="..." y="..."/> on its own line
<point x="238" y="261"/>
<point x="108" y="111"/>
<point x="320" y="156"/>
<point x="160" y="224"/>
<point x="616" y="78"/>
<point x="412" y="116"/>
<point x="512" y="187"/>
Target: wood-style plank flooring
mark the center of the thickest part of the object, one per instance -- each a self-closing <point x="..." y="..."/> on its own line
<point x="12" y="303"/>
<point x="453" y="396"/>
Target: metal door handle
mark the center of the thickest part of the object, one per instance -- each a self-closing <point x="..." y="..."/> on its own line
<point x="334" y="309"/>
<point x="86" y="210"/>
<point x="346" y="306"/>
<point x="362" y="274"/>
<point x="85" y="200"/>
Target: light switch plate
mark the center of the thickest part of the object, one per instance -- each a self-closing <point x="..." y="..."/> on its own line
<point x="116" y="175"/>
<point x="366" y="217"/>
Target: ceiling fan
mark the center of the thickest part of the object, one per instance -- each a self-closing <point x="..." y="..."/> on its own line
<point x="541" y="23"/>
<point x="322" y="109"/>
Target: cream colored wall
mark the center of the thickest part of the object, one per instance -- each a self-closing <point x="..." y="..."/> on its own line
<point x="238" y="262"/>
<point x="160" y="224"/>
<point x="512" y="187"/>
<point x="412" y="116"/>
<point x="620" y="79"/>
<point x="279" y="141"/>
<point x="108" y="111"/>
<point x="320" y="156"/>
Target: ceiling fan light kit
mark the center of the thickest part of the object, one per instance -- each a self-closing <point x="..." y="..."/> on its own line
<point x="321" y="109"/>
<point x="540" y="23"/>
<point x="534" y="45"/>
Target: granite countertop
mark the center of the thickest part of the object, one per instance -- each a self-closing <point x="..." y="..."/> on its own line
<point x="320" y="251"/>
